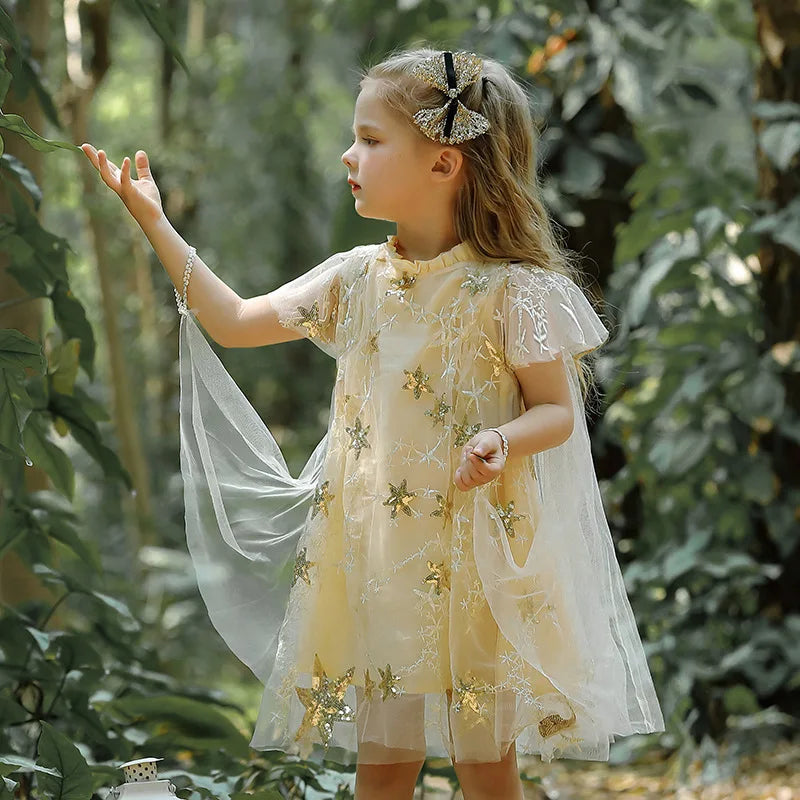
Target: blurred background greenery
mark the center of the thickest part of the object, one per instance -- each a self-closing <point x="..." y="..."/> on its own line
<point x="670" y="134"/>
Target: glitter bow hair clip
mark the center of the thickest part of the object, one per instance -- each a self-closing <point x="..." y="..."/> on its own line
<point x="451" y="73"/>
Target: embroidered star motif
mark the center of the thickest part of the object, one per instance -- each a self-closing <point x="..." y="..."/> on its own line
<point x="439" y="411"/>
<point x="497" y="359"/>
<point x="553" y="723"/>
<point x="369" y="685"/>
<point x="464" y="432"/>
<point x="324" y="702"/>
<point x="309" y="319"/>
<point x="388" y="684"/>
<point x="445" y="508"/>
<point x="321" y="499"/>
<point x="372" y="343"/>
<point x="401" y="285"/>
<point x="417" y="382"/>
<point x="466" y="693"/>
<point x="475" y="283"/>
<point x="508" y="517"/>
<point x="301" y="566"/>
<point x="399" y="499"/>
<point x="358" y="436"/>
<point x="439" y="576"/>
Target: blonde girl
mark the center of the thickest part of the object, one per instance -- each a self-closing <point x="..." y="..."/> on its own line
<point x="440" y="579"/>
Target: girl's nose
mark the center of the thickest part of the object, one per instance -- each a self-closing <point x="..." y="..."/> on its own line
<point x="346" y="160"/>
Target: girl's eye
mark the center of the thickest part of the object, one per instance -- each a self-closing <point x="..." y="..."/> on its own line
<point x="367" y="139"/>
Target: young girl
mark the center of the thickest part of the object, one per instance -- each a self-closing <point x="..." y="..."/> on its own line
<point x="440" y="580"/>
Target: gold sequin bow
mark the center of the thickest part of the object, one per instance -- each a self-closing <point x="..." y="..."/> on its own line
<point x="451" y="73"/>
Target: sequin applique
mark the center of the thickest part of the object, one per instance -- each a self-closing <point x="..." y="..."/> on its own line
<point x="417" y="382"/>
<point x="464" y="431"/>
<point x="444" y="509"/>
<point x="438" y="575"/>
<point x="301" y="566"/>
<point x="508" y="517"/>
<point x="321" y="499"/>
<point x="389" y="683"/>
<point x="324" y="702"/>
<point x="399" y="499"/>
<point x="439" y="411"/>
<point x="358" y="436"/>
<point x="553" y="723"/>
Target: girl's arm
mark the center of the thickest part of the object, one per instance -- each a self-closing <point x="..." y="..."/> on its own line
<point x="229" y="319"/>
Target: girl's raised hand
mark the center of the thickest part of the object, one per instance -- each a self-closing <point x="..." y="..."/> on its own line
<point x="140" y="196"/>
<point x="482" y="460"/>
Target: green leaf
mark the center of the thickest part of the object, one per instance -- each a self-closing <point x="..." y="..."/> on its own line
<point x="14" y="166"/>
<point x="156" y="15"/>
<point x="47" y="455"/>
<point x="56" y="750"/>
<point x="11" y="763"/>
<point x="182" y="719"/>
<point x="15" y="123"/>
<point x="18" y="351"/>
<point x="70" y="315"/>
<point x="8" y="30"/>
<point x="15" y="409"/>
<point x="781" y="141"/>
<point x="678" y="453"/>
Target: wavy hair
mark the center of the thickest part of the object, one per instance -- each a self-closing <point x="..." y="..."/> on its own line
<point x="498" y="209"/>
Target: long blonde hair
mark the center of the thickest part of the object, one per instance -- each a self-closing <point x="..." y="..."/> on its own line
<point x="498" y="209"/>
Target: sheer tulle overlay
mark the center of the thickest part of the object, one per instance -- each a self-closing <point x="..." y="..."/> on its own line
<point x="387" y="613"/>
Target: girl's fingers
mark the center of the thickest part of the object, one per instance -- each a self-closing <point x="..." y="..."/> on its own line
<point x="142" y="164"/>
<point x="125" y="174"/>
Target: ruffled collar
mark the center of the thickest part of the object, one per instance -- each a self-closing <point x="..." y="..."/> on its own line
<point x="462" y="252"/>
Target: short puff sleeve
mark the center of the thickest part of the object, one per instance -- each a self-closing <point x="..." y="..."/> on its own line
<point x="312" y="303"/>
<point x="544" y="314"/>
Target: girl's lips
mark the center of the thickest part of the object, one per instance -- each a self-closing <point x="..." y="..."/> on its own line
<point x="354" y="185"/>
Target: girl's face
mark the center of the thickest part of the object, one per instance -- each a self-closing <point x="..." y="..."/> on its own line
<point x="390" y="162"/>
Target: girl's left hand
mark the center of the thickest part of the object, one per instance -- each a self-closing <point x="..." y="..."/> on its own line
<point x="473" y="470"/>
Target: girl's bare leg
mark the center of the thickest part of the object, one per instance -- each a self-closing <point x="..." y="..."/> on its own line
<point x="387" y="781"/>
<point x="497" y="780"/>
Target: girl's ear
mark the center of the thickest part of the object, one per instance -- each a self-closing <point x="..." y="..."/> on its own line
<point x="448" y="164"/>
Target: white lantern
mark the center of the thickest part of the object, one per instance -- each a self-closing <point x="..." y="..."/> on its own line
<point x="141" y="782"/>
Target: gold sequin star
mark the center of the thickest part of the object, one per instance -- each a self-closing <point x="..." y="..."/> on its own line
<point x="399" y="499"/>
<point x="475" y="283"/>
<point x="301" y="566"/>
<point x="498" y="360"/>
<point x="309" y="319"/>
<point x="508" y="517"/>
<point x="369" y="685"/>
<point x="439" y="411"/>
<point x="466" y="695"/>
<point x="401" y="285"/>
<point x="553" y="723"/>
<point x="321" y="499"/>
<point x="439" y="575"/>
<point x="324" y="702"/>
<point x="417" y="382"/>
<point x="388" y="684"/>
<point x="358" y="436"/>
<point x="464" y="432"/>
<point x="445" y="508"/>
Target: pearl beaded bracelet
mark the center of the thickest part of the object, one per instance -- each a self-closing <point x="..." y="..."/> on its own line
<point x="502" y="436"/>
<point x="183" y="300"/>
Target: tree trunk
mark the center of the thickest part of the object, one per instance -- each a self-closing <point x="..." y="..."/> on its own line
<point x="80" y="93"/>
<point x="778" y="79"/>
<point x="17" y="582"/>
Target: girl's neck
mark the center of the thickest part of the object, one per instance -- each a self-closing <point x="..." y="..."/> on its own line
<point x="423" y="245"/>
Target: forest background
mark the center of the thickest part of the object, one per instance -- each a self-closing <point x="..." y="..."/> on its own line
<point x="669" y="156"/>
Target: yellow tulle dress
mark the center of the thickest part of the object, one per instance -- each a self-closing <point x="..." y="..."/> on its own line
<point x="389" y="614"/>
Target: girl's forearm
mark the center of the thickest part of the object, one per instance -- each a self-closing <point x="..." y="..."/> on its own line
<point x="539" y="428"/>
<point x="216" y="304"/>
